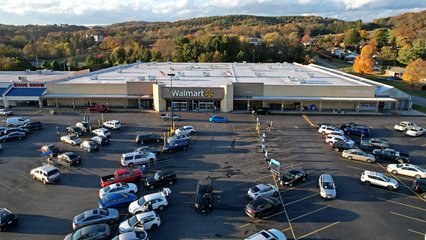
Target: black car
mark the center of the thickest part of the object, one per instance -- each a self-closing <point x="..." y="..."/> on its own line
<point x="262" y="206"/>
<point x="262" y="111"/>
<point x="100" y="140"/>
<point x="148" y="138"/>
<point x="76" y="130"/>
<point x="293" y="176"/>
<point x="13" y="136"/>
<point x="391" y="155"/>
<point x="51" y="148"/>
<point x="341" y="145"/>
<point x="357" y="130"/>
<point x="177" y="145"/>
<point x="347" y="125"/>
<point x="7" y="219"/>
<point x="33" y="126"/>
<point x="419" y="186"/>
<point x="160" y="178"/>
<point x="204" y="196"/>
<point x="89" y="146"/>
<point x="69" y="158"/>
<point x="14" y="129"/>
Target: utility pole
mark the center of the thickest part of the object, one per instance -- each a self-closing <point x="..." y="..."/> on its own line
<point x="171" y="99"/>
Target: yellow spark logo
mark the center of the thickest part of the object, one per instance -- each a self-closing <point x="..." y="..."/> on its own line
<point x="209" y="93"/>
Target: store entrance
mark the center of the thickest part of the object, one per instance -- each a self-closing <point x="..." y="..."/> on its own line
<point x="194" y="105"/>
<point x="206" y="106"/>
<point x="180" y="106"/>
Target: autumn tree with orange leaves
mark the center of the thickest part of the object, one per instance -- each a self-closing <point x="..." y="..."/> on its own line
<point x="415" y="72"/>
<point x="364" y="63"/>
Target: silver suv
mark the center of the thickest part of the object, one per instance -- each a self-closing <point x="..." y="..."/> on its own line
<point x="46" y="174"/>
<point x="376" y="178"/>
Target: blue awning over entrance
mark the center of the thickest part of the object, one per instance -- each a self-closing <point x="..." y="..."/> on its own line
<point x="2" y="90"/>
<point x="26" y="92"/>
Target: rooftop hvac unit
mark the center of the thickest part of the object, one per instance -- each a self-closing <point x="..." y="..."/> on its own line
<point x="175" y="78"/>
<point x="94" y="77"/>
<point x="119" y="71"/>
<point x="23" y="79"/>
<point x="206" y="74"/>
<point x="141" y="78"/>
<point x="152" y="77"/>
<point x="181" y="74"/>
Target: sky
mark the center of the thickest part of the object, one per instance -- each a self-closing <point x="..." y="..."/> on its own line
<point x="100" y="12"/>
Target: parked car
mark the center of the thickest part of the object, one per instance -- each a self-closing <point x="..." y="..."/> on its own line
<point x="116" y="200"/>
<point x="69" y="158"/>
<point x="150" y="149"/>
<point x="374" y="143"/>
<point x="91" y="232"/>
<point x="154" y="201"/>
<point x="169" y="116"/>
<point x="185" y="130"/>
<point x="52" y="148"/>
<point x="123" y="176"/>
<point x="407" y="170"/>
<point x="326" y="129"/>
<point x="271" y="234"/>
<point x="419" y="186"/>
<point x="334" y="133"/>
<point x="16" y="121"/>
<point x="178" y="137"/>
<point x="379" y="179"/>
<point x="15" y="129"/>
<point x="99" y="108"/>
<point x="46" y="174"/>
<point x="359" y="155"/>
<point x="404" y="126"/>
<point x="113" y="124"/>
<point x="5" y="112"/>
<point x="13" y="136"/>
<point x="148" y="138"/>
<point x="203" y="201"/>
<point x="332" y="139"/>
<point x="101" y="132"/>
<point x="415" y="131"/>
<point x="262" y="111"/>
<point x="218" y="119"/>
<point x="95" y="216"/>
<point x="89" y="146"/>
<point x="392" y="155"/>
<point x="327" y="186"/>
<point x="357" y="130"/>
<point x="346" y="125"/>
<point x="100" y="140"/>
<point x="340" y="146"/>
<point x="262" y="206"/>
<point x="140" y="221"/>
<point x="160" y="178"/>
<point x="177" y="145"/>
<point x="75" y="131"/>
<point x="263" y="190"/>
<point x="7" y="219"/>
<point x="293" y="176"/>
<point x="132" y="235"/>
<point x="134" y="158"/>
<point x="84" y="125"/>
<point x="71" y="139"/>
<point x="118" y="188"/>
<point x="37" y="125"/>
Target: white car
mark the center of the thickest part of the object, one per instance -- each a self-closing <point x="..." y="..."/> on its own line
<point x="326" y="129"/>
<point x="101" y="132"/>
<point x="407" y="170"/>
<point x="5" y="112"/>
<point x="271" y="234"/>
<point x="379" y="179"/>
<point x="185" y="130"/>
<point x="150" y="202"/>
<point x="263" y="190"/>
<point x="141" y="221"/>
<point x="327" y="187"/>
<point x="113" y="124"/>
<point x="178" y="137"/>
<point x="332" y="139"/>
<point x="335" y="133"/>
<point x="404" y="126"/>
<point x="46" y="174"/>
<point x="16" y="121"/>
<point x="71" y="139"/>
<point x="415" y="131"/>
<point x="135" y="158"/>
<point x="132" y="235"/>
<point x="118" y="188"/>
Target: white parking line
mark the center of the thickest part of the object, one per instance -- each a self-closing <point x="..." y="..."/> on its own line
<point x="259" y="220"/>
<point x="405" y="216"/>
<point x="403" y="204"/>
<point x="320" y="229"/>
<point x="299" y="200"/>
<point x="298" y="186"/>
<point x="309" y="213"/>
<point x="414" y="139"/>
<point x="420" y="233"/>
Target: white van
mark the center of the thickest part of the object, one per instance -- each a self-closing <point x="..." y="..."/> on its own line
<point x="113" y="124"/>
<point x="16" y="121"/>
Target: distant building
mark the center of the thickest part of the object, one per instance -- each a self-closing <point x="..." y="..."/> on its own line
<point x="96" y="37"/>
<point x="351" y="56"/>
<point x="255" y="41"/>
<point x="395" y="72"/>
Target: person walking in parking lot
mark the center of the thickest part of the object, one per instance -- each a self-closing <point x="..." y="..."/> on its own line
<point x="233" y="144"/>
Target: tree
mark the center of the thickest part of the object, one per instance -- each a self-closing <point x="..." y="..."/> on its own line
<point x="381" y="36"/>
<point x="55" y="65"/>
<point x="352" y="38"/>
<point x="387" y="55"/>
<point x="415" y="72"/>
<point x="365" y="62"/>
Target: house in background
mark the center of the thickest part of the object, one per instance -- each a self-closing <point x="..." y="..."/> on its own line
<point x="395" y="72"/>
<point x="255" y="41"/>
<point x="351" y="56"/>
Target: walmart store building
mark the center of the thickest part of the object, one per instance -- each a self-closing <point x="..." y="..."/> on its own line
<point x="222" y="87"/>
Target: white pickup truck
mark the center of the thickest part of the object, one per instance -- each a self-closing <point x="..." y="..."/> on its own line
<point x="404" y="126"/>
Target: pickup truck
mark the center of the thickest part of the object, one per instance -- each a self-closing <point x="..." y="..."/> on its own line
<point x="391" y="155"/>
<point x="123" y="176"/>
<point x="404" y="126"/>
<point x="99" y="108"/>
<point x="168" y="116"/>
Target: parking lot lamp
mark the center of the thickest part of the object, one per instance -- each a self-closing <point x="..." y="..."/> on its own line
<point x="172" y="129"/>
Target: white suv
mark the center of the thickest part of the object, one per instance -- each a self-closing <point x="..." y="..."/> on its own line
<point x="141" y="221"/>
<point x="46" y="174"/>
<point x="376" y="178"/>
<point x="271" y="234"/>
<point x="326" y="129"/>
<point x="185" y="130"/>
<point x="134" y="158"/>
<point x="113" y="124"/>
<point x="150" y="202"/>
<point x="178" y="137"/>
<point x="333" y="139"/>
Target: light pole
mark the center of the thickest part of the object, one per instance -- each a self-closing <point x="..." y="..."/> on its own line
<point x="171" y="99"/>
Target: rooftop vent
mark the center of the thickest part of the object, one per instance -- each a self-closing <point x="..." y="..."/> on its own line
<point x="94" y="77"/>
<point x="141" y="78"/>
<point x="23" y="79"/>
<point x="119" y="71"/>
<point x="152" y="77"/>
<point x="206" y="74"/>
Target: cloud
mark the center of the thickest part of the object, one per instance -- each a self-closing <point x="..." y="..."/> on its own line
<point x="112" y="11"/>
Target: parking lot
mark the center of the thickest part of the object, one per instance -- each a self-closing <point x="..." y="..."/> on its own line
<point x="359" y="212"/>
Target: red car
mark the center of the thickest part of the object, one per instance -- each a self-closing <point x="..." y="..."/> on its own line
<point x="123" y="176"/>
<point x="99" y="108"/>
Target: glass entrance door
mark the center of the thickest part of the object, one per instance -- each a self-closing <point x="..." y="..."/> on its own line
<point x="206" y="106"/>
